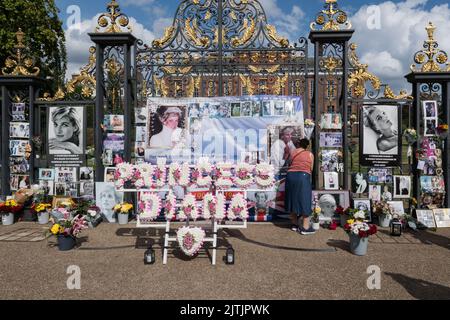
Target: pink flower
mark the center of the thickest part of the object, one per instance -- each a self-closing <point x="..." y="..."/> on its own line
<point x="177" y="174"/>
<point x="188" y="241"/>
<point x="188" y="210"/>
<point x="195" y="174"/>
<point x="212" y="207"/>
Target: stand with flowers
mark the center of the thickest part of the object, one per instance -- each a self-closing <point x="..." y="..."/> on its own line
<point x="383" y="211"/>
<point x="8" y="209"/>
<point x="359" y="231"/>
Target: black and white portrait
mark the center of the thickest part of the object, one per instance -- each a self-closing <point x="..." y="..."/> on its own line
<point x="48" y="187"/>
<point x="267" y="108"/>
<point x="328" y="201"/>
<point x="263" y="201"/>
<point x="402" y="187"/>
<point x="109" y="174"/>
<point x="17" y="148"/>
<point x="107" y="157"/>
<point x="140" y="115"/>
<point x="278" y="108"/>
<point x="236" y="109"/>
<point x="19" y="130"/>
<point x="60" y="189"/>
<point x="380" y="135"/>
<point x="107" y="198"/>
<point x="331" y="180"/>
<point x="87" y="188"/>
<point x="86" y="173"/>
<point x="66" y="130"/>
<point x="246" y="109"/>
<point x="397" y="208"/>
<point x="256" y="108"/>
<point x="430" y="127"/>
<point x="430" y="109"/>
<point x="331" y="139"/>
<point x="19" y="111"/>
<point x="359" y="183"/>
<point x="167" y="127"/>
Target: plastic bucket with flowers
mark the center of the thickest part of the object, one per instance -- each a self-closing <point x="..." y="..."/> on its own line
<point x="7" y="210"/>
<point x="123" y="211"/>
<point x="359" y="231"/>
<point x="42" y="212"/>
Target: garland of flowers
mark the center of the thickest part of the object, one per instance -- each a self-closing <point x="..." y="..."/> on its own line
<point x="179" y="175"/>
<point x="238" y="208"/>
<point x="170" y="206"/>
<point x="221" y="212"/>
<point x="224" y="175"/>
<point x="149" y="206"/>
<point x="264" y="175"/>
<point x="144" y="174"/>
<point x="244" y="175"/>
<point x="201" y="175"/>
<point x="124" y="173"/>
<point x="209" y="206"/>
<point x="190" y="240"/>
<point x="188" y="209"/>
<point x="159" y="176"/>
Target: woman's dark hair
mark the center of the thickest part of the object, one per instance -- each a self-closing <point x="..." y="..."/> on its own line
<point x="302" y="143"/>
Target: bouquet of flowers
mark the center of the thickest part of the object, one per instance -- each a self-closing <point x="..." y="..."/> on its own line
<point x="316" y="214"/>
<point x="69" y="227"/>
<point x="309" y="128"/>
<point x="41" y="207"/>
<point x="381" y="208"/>
<point x="243" y="177"/>
<point x="410" y="136"/>
<point x="123" y="208"/>
<point x="357" y="226"/>
<point x="10" y="206"/>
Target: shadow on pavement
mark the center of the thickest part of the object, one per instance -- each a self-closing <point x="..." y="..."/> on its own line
<point x="420" y="289"/>
<point x="430" y="237"/>
<point x="339" y="244"/>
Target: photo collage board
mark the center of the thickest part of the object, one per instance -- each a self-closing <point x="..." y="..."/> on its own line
<point x="331" y="152"/>
<point x="19" y="146"/>
<point x="253" y="129"/>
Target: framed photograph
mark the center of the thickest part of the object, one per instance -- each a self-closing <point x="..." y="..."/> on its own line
<point x="328" y="201"/>
<point x="115" y="141"/>
<point x="114" y="122"/>
<point x="57" y="201"/>
<point x="223" y="111"/>
<point x="106" y="198"/>
<point x="442" y="218"/>
<point x="432" y="201"/>
<point x="109" y="174"/>
<point x="256" y="106"/>
<point x="19" y="165"/>
<point x="14" y="182"/>
<point x="430" y="109"/>
<point x="397" y="208"/>
<point x="17" y="148"/>
<point x="359" y="183"/>
<point x="426" y="185"/>
<point x="107" y="157"/>
<point x="19" y="111"/>
<point x="246" y="109"/>
<point x="267" y="108"/>
<point x="430" y="127"/>
<point x="141" y="133"/>
<point x="331" y="160"/>
<point x="278" y="108"/>
<point x="331" y="139"/>
<point x="65" y="175"/>
<point x="19" y="130"/>
<point x="379" y="175"/>
<point x="87" y="188"/>
<point x="375" y="192"/>
<point x="47" y="186"/>
<point x="264" y="200"/>
<point x="140" y="115"/>
<point x="364" y="205"/>
<point x="426" y="217"/>
<point x="167" y="127"/>
<point x="46" y="174"/>
<point x="379" y="138"/>
<point x="60" y="189"/>
<point x="139" y="149"/>
<point x="331" y="180"/>
<point x="387" y="193"/>
<point x="281" y="137"/>
<point x="86" y="173"/>
<point x="72" y="190"/>
<point x="236" y="109"/>
<point x="402" y="187"/>
<point x="66" y="130"/>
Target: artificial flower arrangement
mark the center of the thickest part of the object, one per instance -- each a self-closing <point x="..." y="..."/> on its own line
<point x="190" y="240"/>
<point x="224" y="175"/>
<point x="264" y="175"/>
<point x="410" y="136"/>
<point x="359" y="227"/>
<point x="149" y="207"/>
<point x="179" y="175"/>
<point x="124" y="175"/>
<point x="10" y="206"/>
<point x="238" y="208"/>
<point x="221" y="212"/>
<point x="160" y="175"/>
<point x="201" y="176"/>
<point x="189" y="209"/>
<point x="69" y="227"/>
<point x="209" y="206"/>
<point x="170" y="207"/>
<point x="244" y="175"/>
<point x="123" y="208"/>
<point x="143" y="174"/>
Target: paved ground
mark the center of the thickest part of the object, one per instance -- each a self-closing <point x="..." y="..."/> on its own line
<point x="272" y="262"/>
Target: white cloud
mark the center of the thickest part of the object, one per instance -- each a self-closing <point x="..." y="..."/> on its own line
<point x="401" y="34"/>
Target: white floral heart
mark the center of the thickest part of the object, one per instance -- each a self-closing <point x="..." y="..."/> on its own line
<point x="190" y="240"/>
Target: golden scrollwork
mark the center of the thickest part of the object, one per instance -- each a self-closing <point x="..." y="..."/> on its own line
<point x="247" y="83"/>
<point x="389" y="94"/>
<point x="280" y="84"/>
<point x="248" y="29"/>
<point x="331" y="19"/>
<point x="272" y="33"/>
<point x="358" y="78"/>
<point x="113" y="21"/>
<point x="19" y="64"/>
<point x="161" y="86"/>
<point x="431" y="59"/>
<point x="190" y="87"/>
<point x="268" y="69"/>
<point x="168" y="33"/>
<point x="330" y="63"/>
<point x="193" y="33"/>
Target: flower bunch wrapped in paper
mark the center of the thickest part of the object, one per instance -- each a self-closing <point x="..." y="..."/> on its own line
<point x="69" y="227"/>
<point x="188" y="209"/>
<point x="410" y="136"/>
<point x="264" y="175"/>
<point x="244" y="175"/>
<point x="309" y="128"/>
<point x="238" y="208"/>
<point x="149" y="207"/>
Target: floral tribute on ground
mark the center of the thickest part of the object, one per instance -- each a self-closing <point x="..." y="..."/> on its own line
<point x="201" y="176"/>
<point x="190" y="240"/>
<point x="359" y="227"/>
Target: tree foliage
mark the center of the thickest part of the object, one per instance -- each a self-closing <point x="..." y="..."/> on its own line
<point x="44" y="35"/>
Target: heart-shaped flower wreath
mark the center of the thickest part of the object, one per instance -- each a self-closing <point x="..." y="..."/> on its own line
<point x="190" y="240"/>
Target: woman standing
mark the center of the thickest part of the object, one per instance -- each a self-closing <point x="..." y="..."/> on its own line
<point x="298" y="187"/>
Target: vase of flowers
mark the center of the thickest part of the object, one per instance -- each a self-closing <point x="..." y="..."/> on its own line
<point x="42" y="212"/>
<point x="8" y="209"/>
<point x="359" y="231"/>
<point x="383" y="211"/>
<point x="410" y="136"/>
<point x="309" y="128"/>
<point x="66" y="231"/>
<point x="123" y="211"/>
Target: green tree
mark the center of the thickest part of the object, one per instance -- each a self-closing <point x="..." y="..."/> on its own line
<point x="44" y="35"/>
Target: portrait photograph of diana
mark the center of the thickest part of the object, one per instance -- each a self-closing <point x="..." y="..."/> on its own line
<point x="65" y="130"/>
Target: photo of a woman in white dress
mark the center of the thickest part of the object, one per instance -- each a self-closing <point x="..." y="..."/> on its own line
<point x="169" y="128"/>
<point x="65" y="130"/>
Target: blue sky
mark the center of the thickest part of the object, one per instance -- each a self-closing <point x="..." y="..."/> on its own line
<point x="388" y="48"/>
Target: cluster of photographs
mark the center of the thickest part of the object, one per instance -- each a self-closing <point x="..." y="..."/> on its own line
<point x="114" y="140"/>
<point x="140" y="117"/>
<point x="430" y="112"/>
<point x="436" y="218"/>
<point x="67" y="181"/>
<point x="331" y="161"/>
<point x="19" y="134"/>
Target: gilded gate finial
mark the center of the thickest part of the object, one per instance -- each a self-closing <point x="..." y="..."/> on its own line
<point x="431" y="58"/>
<point x="114" y="20"/>
<point x="19" y="63"/>
<point x="331" y="19"/>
